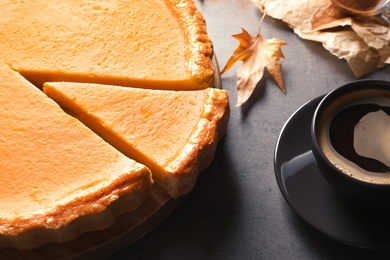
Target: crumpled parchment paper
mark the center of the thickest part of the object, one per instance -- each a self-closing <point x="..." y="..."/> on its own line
<point x="363" y="41"/>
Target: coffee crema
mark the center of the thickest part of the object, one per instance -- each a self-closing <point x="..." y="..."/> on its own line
<point x="336" y="138"/>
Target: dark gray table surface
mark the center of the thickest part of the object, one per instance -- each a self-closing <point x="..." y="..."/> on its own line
<point x="236" y="210"/>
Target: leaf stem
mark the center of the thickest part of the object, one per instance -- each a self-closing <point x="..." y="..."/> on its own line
<point x="262" y="18"/>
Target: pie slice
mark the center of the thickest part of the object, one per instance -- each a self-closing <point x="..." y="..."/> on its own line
<point x="58" y="179"/>
<point x="153" y="44"/>
<point x="174" y="133"/>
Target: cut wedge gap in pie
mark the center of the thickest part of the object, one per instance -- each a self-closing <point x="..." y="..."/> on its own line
<point x="174" y="133"/>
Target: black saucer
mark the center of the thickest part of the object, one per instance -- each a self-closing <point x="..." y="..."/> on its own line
<point x="314" y="200"/>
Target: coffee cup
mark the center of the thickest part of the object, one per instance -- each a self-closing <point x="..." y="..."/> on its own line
<point x="350" y="135"/>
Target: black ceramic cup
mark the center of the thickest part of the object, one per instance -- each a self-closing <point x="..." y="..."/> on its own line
<point x="350" y="135"/>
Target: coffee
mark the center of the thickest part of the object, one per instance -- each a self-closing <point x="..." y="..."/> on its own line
<point x="343" y="131"/>
<point x="354" y="135"/>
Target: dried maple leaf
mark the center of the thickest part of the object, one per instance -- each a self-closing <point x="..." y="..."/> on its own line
<point x="257" y="53"/>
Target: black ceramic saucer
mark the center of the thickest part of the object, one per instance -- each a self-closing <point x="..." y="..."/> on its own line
<point x="314" y="200"/>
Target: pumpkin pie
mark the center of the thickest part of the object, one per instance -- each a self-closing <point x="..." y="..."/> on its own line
<point x="174" y="133"/>
<point x="59" y="178"/>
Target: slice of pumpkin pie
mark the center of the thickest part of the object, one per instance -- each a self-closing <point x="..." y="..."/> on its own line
<point x="58" y="179"/>
<point x="174" y="133"/>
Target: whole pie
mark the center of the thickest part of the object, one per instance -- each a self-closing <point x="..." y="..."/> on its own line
<point x="100" y="100"/>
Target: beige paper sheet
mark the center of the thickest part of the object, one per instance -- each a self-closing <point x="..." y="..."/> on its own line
<point x="363" y="42"/>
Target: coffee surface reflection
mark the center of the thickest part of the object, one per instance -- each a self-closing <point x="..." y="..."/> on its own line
<point x="350" y="135"/>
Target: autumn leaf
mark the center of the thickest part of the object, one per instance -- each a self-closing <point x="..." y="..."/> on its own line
<point x="256" y="53"/>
